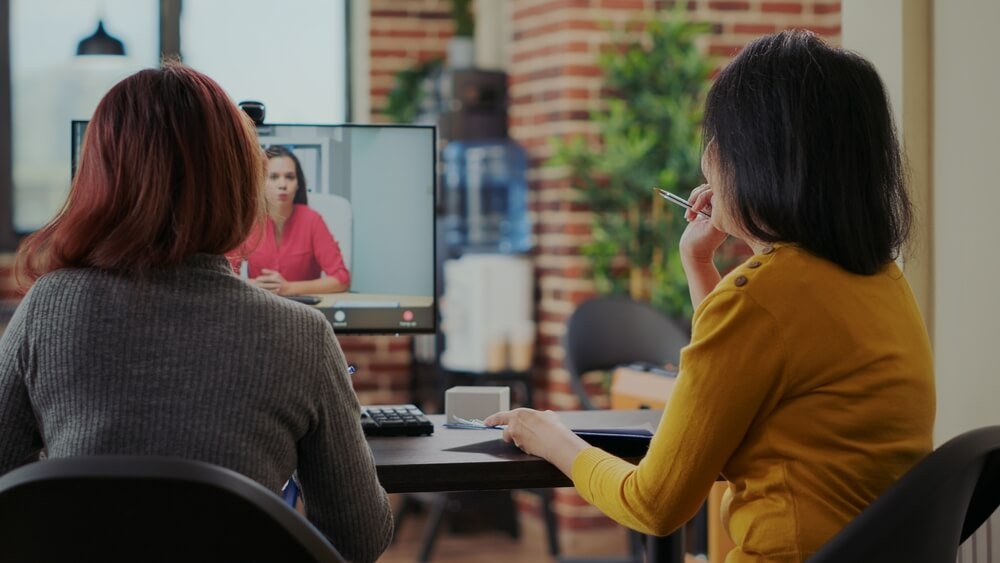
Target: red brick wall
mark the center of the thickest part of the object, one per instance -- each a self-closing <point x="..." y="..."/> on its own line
<point x="554" y="84"/>
<point x="403" y="33"/>
<point x="8" y="289"/>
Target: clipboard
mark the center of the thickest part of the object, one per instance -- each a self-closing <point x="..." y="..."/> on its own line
<point x="622" y="442"/>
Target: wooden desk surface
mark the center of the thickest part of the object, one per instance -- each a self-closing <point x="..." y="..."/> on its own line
<point x="344" y="300"/>
<point x="475" y="460"/>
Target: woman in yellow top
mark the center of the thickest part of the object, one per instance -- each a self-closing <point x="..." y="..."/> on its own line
<point x="808" y="383"/>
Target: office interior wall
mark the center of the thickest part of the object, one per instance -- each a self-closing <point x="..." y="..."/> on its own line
<point x="966" y="199"/>
<point x="359" y="28"/>
<point x="944" y="85"/>
<point x="895" y="35"/>
<point x="492" y="31"/>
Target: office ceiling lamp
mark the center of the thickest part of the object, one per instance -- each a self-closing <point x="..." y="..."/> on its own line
<point x="100" y="43"/>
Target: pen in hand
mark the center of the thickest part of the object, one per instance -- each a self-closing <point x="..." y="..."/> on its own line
<point x="679" y="201"/>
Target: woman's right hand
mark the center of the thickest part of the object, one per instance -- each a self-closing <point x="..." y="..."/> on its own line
<point x="700" y="239"/>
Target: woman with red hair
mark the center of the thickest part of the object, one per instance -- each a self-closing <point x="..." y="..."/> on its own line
<point x="136" y="338"/>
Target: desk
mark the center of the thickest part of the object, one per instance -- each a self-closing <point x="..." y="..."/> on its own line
<point x="346" y="300"/>
<point x="478" y="460"/>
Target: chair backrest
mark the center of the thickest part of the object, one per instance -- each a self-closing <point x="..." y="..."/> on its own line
<point x="336" y="211"/>
<point x="605" y="332"/>
<point x="926" y="515"/>
<point x="131" y="508"/>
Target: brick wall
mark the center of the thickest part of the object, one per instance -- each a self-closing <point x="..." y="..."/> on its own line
<point x="9" y="297"/>
<point x="554" y="84"/>
<point x="403" y="33"/>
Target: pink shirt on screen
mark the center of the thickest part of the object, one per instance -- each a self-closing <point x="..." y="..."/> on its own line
<point x="307" y="249"/>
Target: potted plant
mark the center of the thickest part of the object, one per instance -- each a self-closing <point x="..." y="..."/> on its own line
<point x="649" y="135"/>
<point x="403" y="104"/>
<point x="461" y="48"/>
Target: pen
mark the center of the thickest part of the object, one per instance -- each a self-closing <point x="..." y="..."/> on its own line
<point x="678" y="200"/>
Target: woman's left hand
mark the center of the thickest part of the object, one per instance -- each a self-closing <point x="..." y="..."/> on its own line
<point x="541" y="434"/>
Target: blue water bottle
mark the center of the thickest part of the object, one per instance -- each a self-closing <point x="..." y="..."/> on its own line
<point x="486" y="196"/>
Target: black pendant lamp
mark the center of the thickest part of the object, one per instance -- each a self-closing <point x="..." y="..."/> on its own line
<point x="100" y="43"/>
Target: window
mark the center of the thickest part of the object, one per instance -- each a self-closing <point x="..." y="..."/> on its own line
<point x="51" y="86"/>
<point x="290" y="55"/>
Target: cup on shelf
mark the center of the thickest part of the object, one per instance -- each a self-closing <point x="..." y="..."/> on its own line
<point x="522" y="346"/>
<point x="497" y="353"/>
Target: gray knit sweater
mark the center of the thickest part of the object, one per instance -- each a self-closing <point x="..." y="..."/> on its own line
<point x="195" y="363"/>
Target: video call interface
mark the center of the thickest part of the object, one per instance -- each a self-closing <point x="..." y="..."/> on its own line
<point x="366" y="220"/>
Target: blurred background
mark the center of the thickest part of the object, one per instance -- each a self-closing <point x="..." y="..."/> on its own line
<point x="547" y="111"/>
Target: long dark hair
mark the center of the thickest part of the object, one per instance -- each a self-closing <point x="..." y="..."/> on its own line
<point x="170" y="167"/>
<point x="275" y="151"/>
<point x="805" y="142"/>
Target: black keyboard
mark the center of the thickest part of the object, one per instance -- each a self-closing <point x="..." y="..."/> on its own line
<point x="395" y="420"/>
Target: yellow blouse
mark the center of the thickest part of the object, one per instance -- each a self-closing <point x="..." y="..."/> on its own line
<point x="808" y="388"/>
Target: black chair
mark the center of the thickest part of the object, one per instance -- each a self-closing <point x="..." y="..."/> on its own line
<point x="130" y="508"/>
<point x="606" y="332"/>
<point x="926" y="515"/>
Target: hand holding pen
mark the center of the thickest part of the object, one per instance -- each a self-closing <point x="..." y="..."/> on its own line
<point x="700" y="240"/>
<point x="683" y="202"/>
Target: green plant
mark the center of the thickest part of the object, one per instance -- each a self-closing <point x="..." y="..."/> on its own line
<point x="461" y="14"/>
<point x="649" y="136"/>
<point x="403" y="104"/>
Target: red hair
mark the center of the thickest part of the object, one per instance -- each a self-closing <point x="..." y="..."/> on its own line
<point x="169" y="167"/>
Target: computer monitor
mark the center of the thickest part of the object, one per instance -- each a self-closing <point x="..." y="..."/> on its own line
<point x="374" y="188"/>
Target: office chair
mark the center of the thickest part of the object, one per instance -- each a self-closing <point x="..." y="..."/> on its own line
<point x="607" y="332"/>
<point x="926" y="515"/>
<point x="339" y="218"/>
<point x="132" y="508"/>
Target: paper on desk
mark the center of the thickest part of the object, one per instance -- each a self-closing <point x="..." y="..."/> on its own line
<point x="471" y="424"/>
<point x="642" y="430"/>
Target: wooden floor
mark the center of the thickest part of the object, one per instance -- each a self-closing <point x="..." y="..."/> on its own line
<point x="493" y="546"/>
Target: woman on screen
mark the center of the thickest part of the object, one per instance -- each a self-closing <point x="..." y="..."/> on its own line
<point x="135" y="337"/>
<point x="808" y="384"/>
<point x="295" y="248"/>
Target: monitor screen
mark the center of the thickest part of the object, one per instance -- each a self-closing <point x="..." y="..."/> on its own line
<point x="367" y="221"/>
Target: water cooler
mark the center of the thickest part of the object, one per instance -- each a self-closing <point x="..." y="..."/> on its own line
<point x="485" y="276"/>
<point x="484" y="271"/>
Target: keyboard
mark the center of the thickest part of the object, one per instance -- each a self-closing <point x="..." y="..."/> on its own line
<point x="395" y="420"/>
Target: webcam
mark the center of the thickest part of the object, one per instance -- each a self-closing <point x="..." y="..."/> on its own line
<point x="255" y="110"/>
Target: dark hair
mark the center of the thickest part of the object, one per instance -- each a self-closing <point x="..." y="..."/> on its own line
<point x="276" y="151"/>
<point x="807" y="148"/>
<point x="169" y="167"/>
